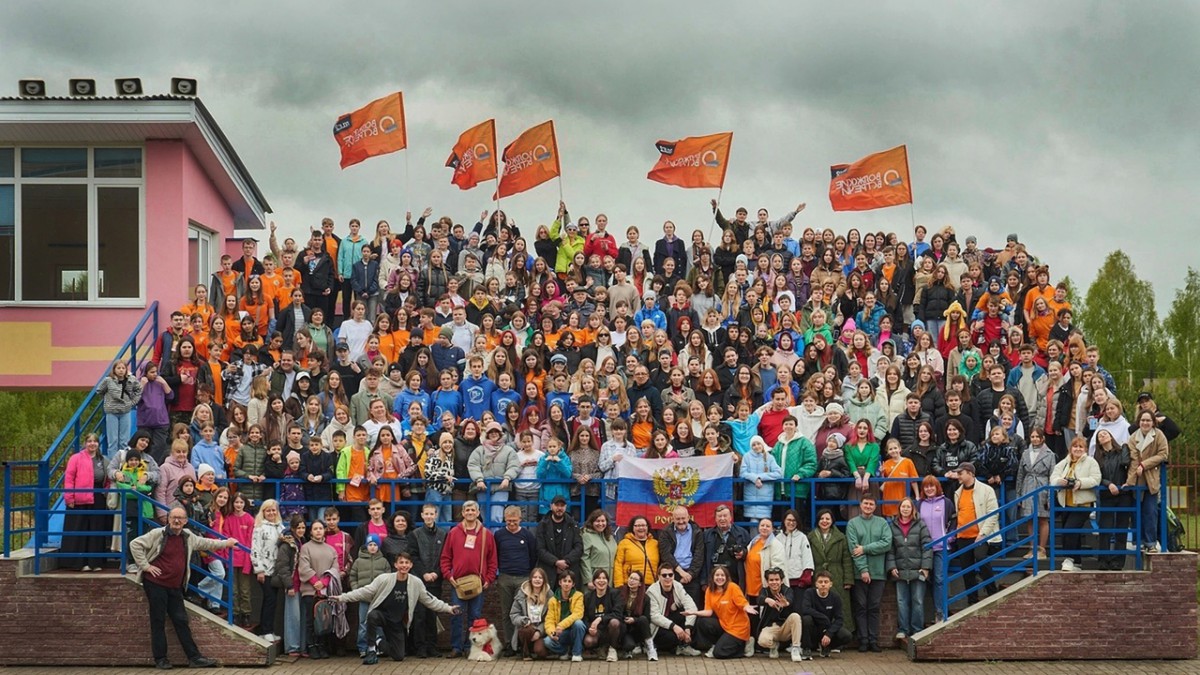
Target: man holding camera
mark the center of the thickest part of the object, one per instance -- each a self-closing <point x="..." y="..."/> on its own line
<point x="725" y="544"/>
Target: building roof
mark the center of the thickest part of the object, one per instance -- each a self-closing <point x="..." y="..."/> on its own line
<point x="127" y="119"/>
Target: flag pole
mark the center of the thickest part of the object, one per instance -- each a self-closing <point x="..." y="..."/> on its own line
<point x="407" y="186"/>
<point x="720" y="190"/>
<point x="912" y="216"/>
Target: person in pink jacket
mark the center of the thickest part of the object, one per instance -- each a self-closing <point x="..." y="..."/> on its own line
<point x="86" y="471"/>
<point x="171" y="473"/>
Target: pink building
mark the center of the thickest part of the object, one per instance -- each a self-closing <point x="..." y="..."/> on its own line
<point x="106" y="206"/>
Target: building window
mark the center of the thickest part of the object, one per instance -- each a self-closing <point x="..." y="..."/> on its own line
<point x="201" y="245"/>
<point x="72" y="228"/>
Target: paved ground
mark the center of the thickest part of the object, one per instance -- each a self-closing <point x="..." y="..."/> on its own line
<point x="892" y="663"/>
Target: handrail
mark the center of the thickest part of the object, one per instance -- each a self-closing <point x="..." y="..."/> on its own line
<point x="133" y="344"/>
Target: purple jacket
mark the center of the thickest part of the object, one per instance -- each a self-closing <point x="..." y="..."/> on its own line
<point x="937" y="513"/>
<point x="152" y="409"/>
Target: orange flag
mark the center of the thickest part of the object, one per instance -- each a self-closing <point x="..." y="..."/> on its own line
<point x="873" y="182"/>
<point x="474" y="156"/>
<point x="696" y="162"/>
<point x="530" y="160"/>
<point x="374" y="129"/>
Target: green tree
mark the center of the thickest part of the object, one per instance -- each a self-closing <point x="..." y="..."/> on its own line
<point x="1120" y="318"/>
<point x="1073" y="296"/>
<point x="1182" y="327"/>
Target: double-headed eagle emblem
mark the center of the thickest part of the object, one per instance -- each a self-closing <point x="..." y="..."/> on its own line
<point x="676" y="486"/>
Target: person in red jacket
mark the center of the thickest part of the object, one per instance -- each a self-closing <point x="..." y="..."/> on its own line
<point x="600" y="242"/>
<point x="470" y="550"/>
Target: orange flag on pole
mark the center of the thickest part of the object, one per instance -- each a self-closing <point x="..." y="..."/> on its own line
<point x="873" y="182"/>
<point x="374" y="129"/>
<point x="529" y="161"/>
<point x="695" y="162"/>
<point x="474" y="156"/>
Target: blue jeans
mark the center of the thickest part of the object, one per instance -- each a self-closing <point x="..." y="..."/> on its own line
<point x="1150" y="519"/>
<point x="362" y="626"/>
<point x="213" y="585"/>
<point x="118" y="429"/>
<point x="471" y="609"/>
<point x="293" y="628"/>
<point x="936" y="582"/>
<point x="572" y="637"/>
<point x="910" y="600"/>
<point x="495" y="512"/>
<point x="934" y="326"/>
<point x="434" y="497"/>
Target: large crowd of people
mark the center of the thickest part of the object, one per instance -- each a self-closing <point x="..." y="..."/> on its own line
<point x="408" y="379"/>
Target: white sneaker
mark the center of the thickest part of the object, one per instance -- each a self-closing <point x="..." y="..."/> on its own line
<point x="612" y="655"/>
<point x="709" y="654"/>
<point x="564" y="657"/>
<point x="797" y="655"/>
<point x="86" y="568"/>
<point x="774" y="653"/>
<point x="1068" y="565"/>
<point x="900" y="636"/>
<point x="578" y="657"/>
<point x="636" y="650"/>
<point x="651" y="651"/>
<point x="270" y="637"/>
<point x="131" y="568"/>
<point x="686" y="650"/>
<point x="749" y="652"/>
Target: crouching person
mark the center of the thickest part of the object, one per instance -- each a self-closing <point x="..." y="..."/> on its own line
<point x="394" y="599"/>
<point x="779" y="616"/>
<point x="823" y="617"/>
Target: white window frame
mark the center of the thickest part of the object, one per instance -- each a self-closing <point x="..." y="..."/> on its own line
<point x="93" y="255"/>
<point x="202" y="233"/>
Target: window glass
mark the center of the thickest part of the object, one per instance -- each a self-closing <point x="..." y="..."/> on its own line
<point x="54" y="242"/>
<point x="118" y="162"/>
<point x="6" y="162"/>
<point x="8" y="252"/>
<point x="54" y="162"/>
<point x="117" y="229"/>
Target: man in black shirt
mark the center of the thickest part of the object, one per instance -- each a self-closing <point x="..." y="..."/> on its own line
<point x="394" y="599"/>
<point x="822" y="616"/>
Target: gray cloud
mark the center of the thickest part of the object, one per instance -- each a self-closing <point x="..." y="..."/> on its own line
<point x="1071" y="123"/>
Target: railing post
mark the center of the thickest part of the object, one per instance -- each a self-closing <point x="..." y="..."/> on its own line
<point x="1163" y="499"/>
<point x="7" y="506"/>
<point x="41" y="514"/>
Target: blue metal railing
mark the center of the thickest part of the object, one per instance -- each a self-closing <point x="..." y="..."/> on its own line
<point x="969" y="561"/>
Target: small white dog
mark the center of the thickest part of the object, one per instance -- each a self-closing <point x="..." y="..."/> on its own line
<point x="485" y="642"/>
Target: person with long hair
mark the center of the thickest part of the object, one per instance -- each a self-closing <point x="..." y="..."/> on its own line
<point x="723" y="626"/>
<point x="528" y="613"/>
<point x="909" y="564"/>
<point x="268" y="529"/>
<point x="1078" y="476"/>
<point x="1149" y="449"/>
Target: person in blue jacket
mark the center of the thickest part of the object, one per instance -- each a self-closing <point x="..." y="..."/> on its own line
<point x="651" y="312"/>
<point x="504" y="396"/>
<point x="409" y="395"/>
<point x="476" y="389"/>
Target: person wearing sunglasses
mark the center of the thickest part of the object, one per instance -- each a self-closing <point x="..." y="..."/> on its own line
<point x="672" y="616"/>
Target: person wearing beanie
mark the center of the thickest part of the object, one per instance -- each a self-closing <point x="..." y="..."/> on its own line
<point x="369" y="565"/>
<point x="445" y="354"/>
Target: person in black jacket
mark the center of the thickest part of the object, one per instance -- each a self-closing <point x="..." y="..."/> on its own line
<point x="725" y="544"/>
<point x="1113" y="491"/>
<point x="669" y="246"/>
<point x="688" y="562"/>
<point x="955" y="411"/>
<point x="822" y="617"/>
<point x="318" y="469"/>
<point x="904" y="427"/>
<point x="988" y="400"/>
<point x="426" y="542"/>
<point x="779" y="618"/>
<point x="316" y="273"/>
<point x="643" y="388"/>
<point x="559" y="542"/>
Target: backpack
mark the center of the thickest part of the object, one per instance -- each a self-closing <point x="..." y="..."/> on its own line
<point x="323" y="617"/>
<point x="1175" y="532"/>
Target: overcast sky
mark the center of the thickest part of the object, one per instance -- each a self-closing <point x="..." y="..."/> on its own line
<point x="1073" y="124"/>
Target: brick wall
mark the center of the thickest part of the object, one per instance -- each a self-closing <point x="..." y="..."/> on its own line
<point x="1078" y="615"/>
<point x="78" y="619"/>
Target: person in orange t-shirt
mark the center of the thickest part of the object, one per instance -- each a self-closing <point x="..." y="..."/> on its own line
<point x="199" y="305"/>
<point x="897" y="467"/>
<point x="723" y="626"/>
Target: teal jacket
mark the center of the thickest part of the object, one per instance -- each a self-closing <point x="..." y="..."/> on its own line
<point x="797" y="457"/>
<point x="874" y="534"/>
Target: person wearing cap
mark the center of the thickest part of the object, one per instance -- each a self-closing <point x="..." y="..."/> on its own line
<point x="1168" y="426"/>
<point x="581" y="302"/>
<point x="392" y="601"/>
<point x="650" y="312"/>
<point x="559" y="541"/>
<point x="445" y="353"/>
<point x="568" y="245"/>
<point x="973" y="500"/>
<point x="493" y="466"/>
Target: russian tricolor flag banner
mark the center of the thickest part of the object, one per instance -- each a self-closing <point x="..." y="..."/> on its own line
<point x="653" y="487"/>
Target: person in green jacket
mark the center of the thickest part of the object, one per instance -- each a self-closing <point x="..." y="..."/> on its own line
<point x="870" y="539"/>
<point x="797" y="458"/>
<point x="569" y="245"/>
